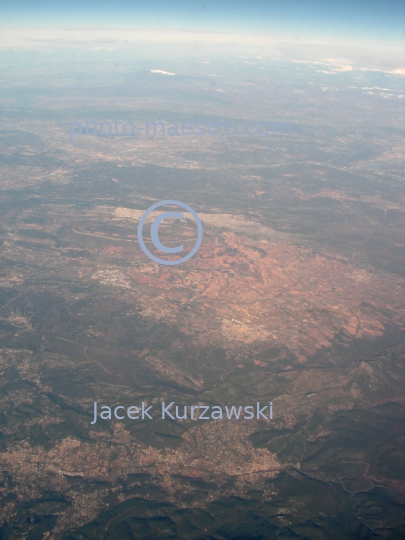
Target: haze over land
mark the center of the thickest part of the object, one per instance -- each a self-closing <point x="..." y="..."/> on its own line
<point x="295" y="297"/>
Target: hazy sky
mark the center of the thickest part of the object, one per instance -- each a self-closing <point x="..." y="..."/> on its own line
<point x="370" y="19"/>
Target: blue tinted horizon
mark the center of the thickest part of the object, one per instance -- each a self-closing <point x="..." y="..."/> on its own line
<point x="363" y="19"/>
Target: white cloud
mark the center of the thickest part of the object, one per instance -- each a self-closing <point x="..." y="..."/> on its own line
<point x="161" y="72"/>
